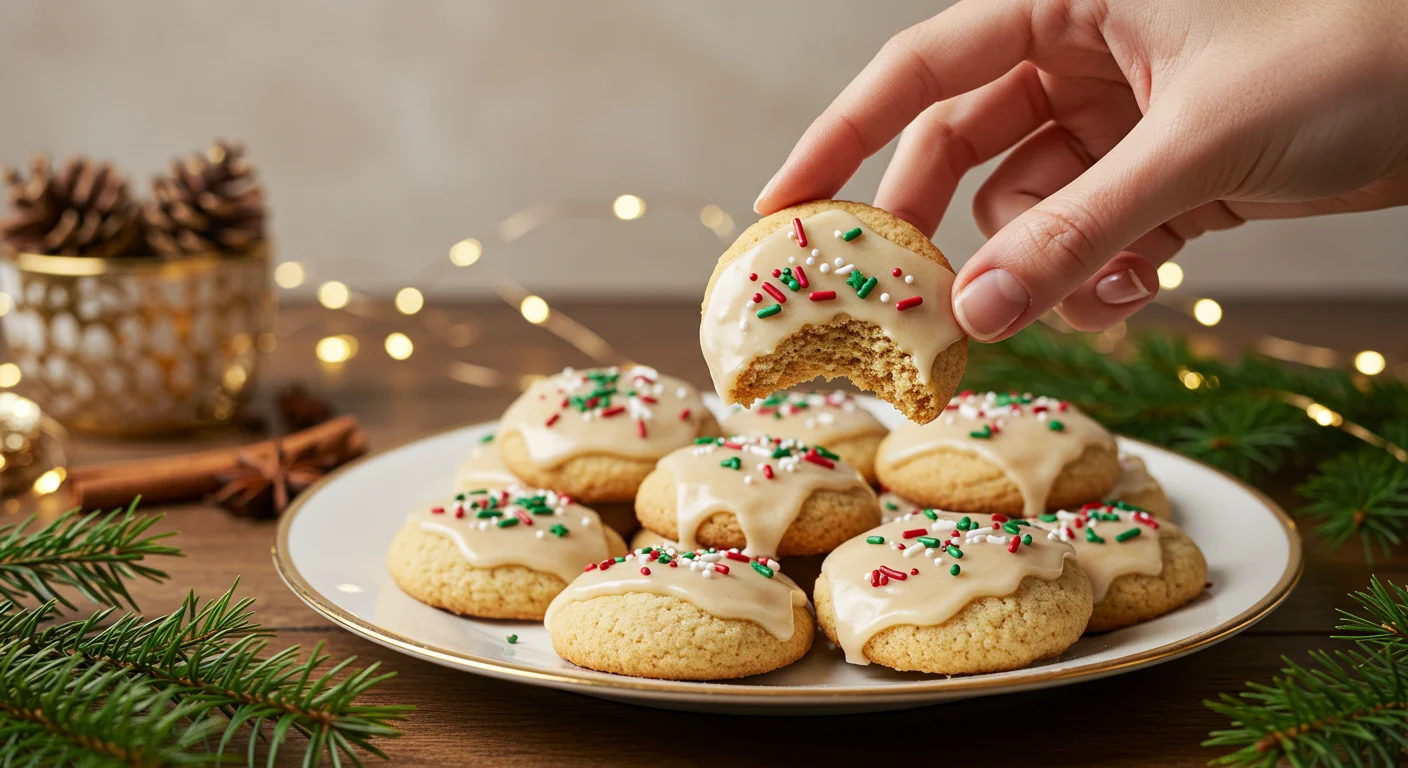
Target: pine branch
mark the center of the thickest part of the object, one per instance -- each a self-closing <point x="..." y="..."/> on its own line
<point x="95" y="554"/>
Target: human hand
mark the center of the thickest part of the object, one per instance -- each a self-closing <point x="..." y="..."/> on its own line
<point x="1137" y="126"/>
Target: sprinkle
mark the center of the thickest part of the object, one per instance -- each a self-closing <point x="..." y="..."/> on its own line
<point x="892" y="573"/>
<point x="775" y="293"/>
<point x="821" y="295"/>
<point x="1011" y="528"/>
<point x="931" y="514"/>
<point x="753" y="276"/>
<point x="851" y="234"/>
<point x="757" y="298"/>
<point x="640" y="428"/>
<point x="590" y="567"/>
<point x="437" y="510"/>
<point x="767" y="471"/>
<point x="614" y="410"/>
<point x="801" y="277"/>
<point x="867" y="287"/>
<point x="507" y="522"/>
<point x="1055" y="426"/>
<point x="644" y="571"/>
<point x="824" y="268"/>
<point x="983" y="434"/>
<point x="552" y="419"/>
<point x="1127" y="535"/>
<point x="875" y="575"/>
<point x="884" y="298"/>
<point x="909" y="303"/>
<point x="684" y="414"/>
<point x="720" y="567"/>
<point x="909" y="279"/>
<point x="1012" y="545"/>
<point x="777" y="273"/>
<point x="512" y="639"/>
<point x="706" y="441"/>
<point x="896" y="272"/>
<point x="913" y="532"/>
<point x="736" y="556"/>
<point x="930" y="542"/>
<point x="732" y="462"/>
<point x="801" y="233"/>
<point x="763" y="569"/>
<point x="769" y="311"/>
<point x="523" y="517"/>
<point x="965" y="523"/>
<point x="1092" y="537"/>
<point x="1046" y="518"/>
<point x="874" y="539"/>
<point x="559" y="530"/>
<point x="818" y="459"/>
<point x="953" y="551"/>
<point x="1000" y="518"/>
<point x="828" y="454"/>
<point x="954" y="571"/>
<point x="489" y="438"/>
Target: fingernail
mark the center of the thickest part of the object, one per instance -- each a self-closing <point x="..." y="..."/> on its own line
<point x="766" y="189"/>
<point x="992" y="302"/>
<point x="1120" y="288"/>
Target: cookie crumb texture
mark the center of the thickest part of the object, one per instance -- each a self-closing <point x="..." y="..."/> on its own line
<point x="991" y="634"/>
<point x="1134" y="597"/>
<point x="662" y="637"/>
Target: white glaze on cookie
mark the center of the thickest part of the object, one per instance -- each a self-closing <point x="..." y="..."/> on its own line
<point x="1109" y="542"/>
<point x="894" y="506"/>
<point x="483" y="467"/>
<point x="1031" y="439"/>
<point x="815" y="418"/>
<point x="724" y="585"/>
<point x="632" y="412"/>
<point x="763" y="481"/>
<point x="732" y="334"/>
<point x="548" y="533"/>
<point x="868" y="597"/>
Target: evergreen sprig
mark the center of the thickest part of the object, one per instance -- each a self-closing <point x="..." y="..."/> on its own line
<point x="1346" y="707"/>
<point x="94" y="554"/>
<point x="1249" y="417"/>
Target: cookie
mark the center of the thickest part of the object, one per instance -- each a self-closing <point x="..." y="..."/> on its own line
<point x="832" y="288"/>
<point x="483" y="467"/>
<point x="594" y="435"/>
<point x="1006" y="454"/>
<point x="1140" y="568"/>
<point x="833" y="419"/>
<point x="1136" y="486"/>
<point x="894" y="506"/>
<point x="803" y="570"/>
<point x="498" y="554"/>
<point x="952" y="594"/>
<point x="762" y="495"/>
<point x="682" y="615"/>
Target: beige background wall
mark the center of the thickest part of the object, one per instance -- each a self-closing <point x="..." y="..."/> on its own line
<point x="389" y="129"/>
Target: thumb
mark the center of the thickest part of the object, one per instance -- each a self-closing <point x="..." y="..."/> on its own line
<point x="1036" y="260"/>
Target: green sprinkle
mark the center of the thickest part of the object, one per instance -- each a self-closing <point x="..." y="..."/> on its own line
<point x="850" y="234"/>
<point x="489" y="438"/>
<point x="983" y="434"/>
<point x="620" y="559"/>
<point x="778" y="453"/>
<point x="1046" y="518"/>
<point x="705" y="440"/>
<point x="1027" y="539"/>
<point x="559" y="530"/>
<point x="1020" y="522"/>
<point x="892" y="506"/>
<point x="769" y="311"/>
<point x="732" y="462"/>
<point x="760" y="568"/>
<point x="869" y="286"/>
<point x="479" y="491"/>
<point x="512" y="639"/>
<point x="931" y="514"/>
<point x="929" y="541"/>
<point x="1092" y="537"/>
<point x="954" y="551"/>
<point x="688" y="555"/>
<point x="507" y="522"/>
<point x="460" y="497"/>
<point x="964" y="524"/>
<point x="954" y="570"/>
<point x="540" y="510"/>
<point x="646" y="550"/>
<point x="874" y="539"/>
<point x="663" y="560"/>
<point x="1055" y="426"/>
<point x="488" y="513"/>
<point x="1011" y="528"/>
<point x="856" y="279"/>
<point x="826" y="453"/>
<point x="1127" y="535"/>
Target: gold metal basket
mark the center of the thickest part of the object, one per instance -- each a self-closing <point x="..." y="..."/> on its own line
<point x="137" y="346"/>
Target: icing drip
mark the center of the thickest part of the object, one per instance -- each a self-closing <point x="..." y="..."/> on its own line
<point x="1110" y="541"/>
<point x="1134" y="478"/>
<point x="777" y="288"/>
<point x="1031" y="439"/>
<point x="728" y="585"/>
<point x="926" y="567"/>
<point x="633" y="412"/>
<point x="763" y="481"/>
<point x="483" y="467"/>
<point x="514" y="525"/>
<point x="813" y="417"/>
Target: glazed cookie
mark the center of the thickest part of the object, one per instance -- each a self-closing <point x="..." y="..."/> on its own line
<point x="833" y="288"/>
<point x="759" y="494"/>
<point x="1136" y="486"/>
<point x="953" y="594"/>
<point x="894" y="506"/>
<point x="1139" y="568"/>
<point x="1005" y="454"/>
<point x="832" y="419"/>
<point x="803" y="570"/>
<point x="682" y="615"/>
<point x="498" y="553"/>
<point x="594" y="435"/>
<point x="483" y="468"/>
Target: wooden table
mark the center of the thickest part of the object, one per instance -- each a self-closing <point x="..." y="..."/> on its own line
<point x="1153" y="717"/>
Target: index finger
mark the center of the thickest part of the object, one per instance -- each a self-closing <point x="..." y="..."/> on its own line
<point x="965" y="47"/>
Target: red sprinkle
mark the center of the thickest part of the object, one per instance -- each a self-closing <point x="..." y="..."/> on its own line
<point x="817" y="458"/>
<point x="649" y="399"/>
<point x="522" y="517"/>
<point x="892" y="573"/>
<point x="913" y="533"/>
<point x="674" y="563"/>
<point x="777" y="273"/>
<point x="606" y="564"/>
<point x="553" y="419"/>
<point x="874" y="578"/>
<point x="913" y="571"/>
<point x="767" y="471"/>
<point x="801" y="236"/>
<point x="644" y="571"/>
<point x="590" y="567"/>
<point x="801" y="277"/>
<point x="1063" y="406"/>
<point x="896" y="272"/>
<point x="437" y="510"/>
<point x="684" y="414"/>
<point x="996" y="526"/>
<point x="966" y="393"/>
<point x="737" y="556"/>
<point x="999" y="518"/>
<point x="753" y="276"/>
<point x="1080" y="521"/>
<point x="1086" y="507"/>
<point x="721" y="568"/>
<point x="1070" y="534"/>
<point x="909" y="303"/>
<point x="640" y="428"/>
<point x="459" y="513"/>
<point x="1012" y="544"/>
<point x="821" y="295"/>
<point x="757" y="298"/>
<point x="613" y="411"/>
<point x="773" y="292"/>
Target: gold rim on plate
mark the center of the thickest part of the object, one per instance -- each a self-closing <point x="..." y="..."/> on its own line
<point x="1295" y="566"/>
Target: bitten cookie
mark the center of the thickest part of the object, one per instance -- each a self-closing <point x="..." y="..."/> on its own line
<point x="682" y="615"/>
<point x="832" y="419"/>
<point x="594" y="435"/>
<point x="498" y="554"/>
<point x="952" y="594"/>
<point x="832" y="288"/>
<point x="758" y="494"/>
<point x="1007" y="454"/>
<point x="1140" y="568"/>
<point x="1136" y="486"/>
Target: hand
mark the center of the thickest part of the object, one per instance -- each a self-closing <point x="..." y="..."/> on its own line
<point x="1137" y="126"/>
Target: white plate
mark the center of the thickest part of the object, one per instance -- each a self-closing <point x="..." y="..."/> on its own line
<point x="331" y="551"/>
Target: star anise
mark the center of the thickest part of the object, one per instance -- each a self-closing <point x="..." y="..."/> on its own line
<point x="261" y="486"/>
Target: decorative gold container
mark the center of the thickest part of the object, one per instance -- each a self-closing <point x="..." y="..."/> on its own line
<point x="137" y="346"/>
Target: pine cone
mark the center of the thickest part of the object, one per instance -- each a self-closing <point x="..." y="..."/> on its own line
<point x="209" y="202"/>
<point x="83" y="210"/>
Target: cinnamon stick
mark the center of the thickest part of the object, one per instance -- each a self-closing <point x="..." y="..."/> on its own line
<point x="192" y="476"/>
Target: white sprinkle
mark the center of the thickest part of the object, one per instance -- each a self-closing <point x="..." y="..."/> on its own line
<point x="816" y="251"/>
<point x="846" y="270"/>
<point x="681" y="392"/>
<point x="884" y="298"/>
<point x="909" y="279"/>
<point x="839" y="261"/>
<point x="747" y="479"/>
<point x="913" y="550"/>
<point x="825" y="268"/>
<point x="949" y="419"/>
<point x="811" y="260"/>
<point x="587" y="521"/>
<point x="709" y="573"/>
<point x="791" y="235"/>
<point x="751" y="303"/>
<point x="541" y="534"/>
<point x="837" y="233"/>
<point x="791" y="259"/>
